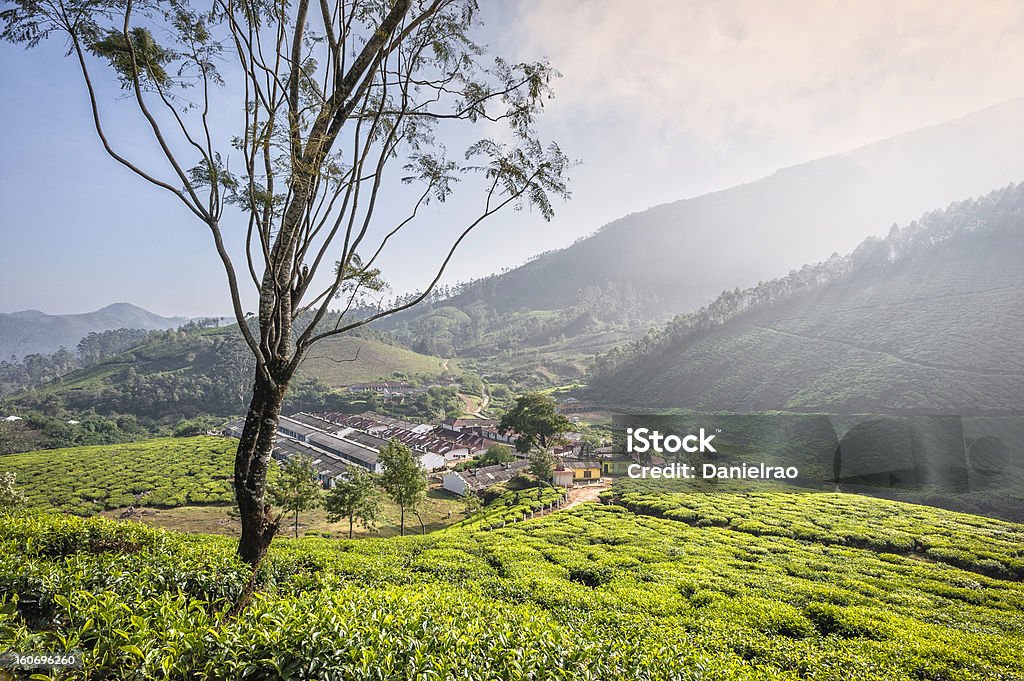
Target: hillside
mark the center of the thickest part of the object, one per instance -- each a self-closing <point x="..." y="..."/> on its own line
<point x="177" y="483"/>
<point x="164" y="472"/>
<point x="196" y="371"/>
<point x="927" y="320"/>
<point x="31" y="331"/>
<point x="679" y="256"/>
<point x="372" y="361"/>
<point x="596" y="592"/>
<point x="542" y="323"/>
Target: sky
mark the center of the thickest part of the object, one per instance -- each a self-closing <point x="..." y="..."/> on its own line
<point x="660" y="100"/>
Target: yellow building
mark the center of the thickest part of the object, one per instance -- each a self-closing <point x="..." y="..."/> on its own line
<point x="573" y="472"/>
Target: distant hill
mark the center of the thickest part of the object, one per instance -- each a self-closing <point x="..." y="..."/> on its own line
<point x="343" y="360"/>
<point x="926" y="320"/>
<point x="31" y="331"/>
<point x="683" y="254"/>
<point x="676" y="257"/>
<point x="194" y="371"/>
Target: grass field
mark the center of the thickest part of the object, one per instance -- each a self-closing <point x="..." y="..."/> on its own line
<point x="375" y="361"/>
<point x="438" y="510"/>
<point x="181" y="484"/>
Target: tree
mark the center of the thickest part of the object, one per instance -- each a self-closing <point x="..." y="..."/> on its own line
<point x="535" y="422"/>
<point x="297" y="488"/>
<point x="591" y="442"/>
<point x="542" y="466"/>
<point x="471" y="505"/>
<point x="496" y="454"/>
<point x="353" y="497"/>
<point x="324" y="111"/>
<point x="402" y="478"/>
<point x="10" y="495"/>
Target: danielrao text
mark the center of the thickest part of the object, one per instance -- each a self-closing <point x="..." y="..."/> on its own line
<point x="710" y="471"/>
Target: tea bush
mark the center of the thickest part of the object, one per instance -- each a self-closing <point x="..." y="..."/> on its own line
<point x="512" y="507"/>
<point x="984" y="545"/>
<point x="164" y="472"/>
<point x="595" y="592"/>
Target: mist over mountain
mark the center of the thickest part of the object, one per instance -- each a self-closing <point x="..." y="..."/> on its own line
<point x="680" y="255"/>
<point x="31" y="331"/>
<point x="927" y="320"/>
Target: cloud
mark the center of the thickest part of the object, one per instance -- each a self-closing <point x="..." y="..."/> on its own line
<point x="828" y="73"/>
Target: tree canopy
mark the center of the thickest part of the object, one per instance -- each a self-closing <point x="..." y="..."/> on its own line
<point x="353" y="497"/>
<point x="284" y="127"/>
<point x="297" y="488"/>
<point x="534" y="421"/>
<point x="402" y="478"/>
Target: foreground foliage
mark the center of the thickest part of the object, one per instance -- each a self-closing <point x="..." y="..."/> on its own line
<point x="597" y="592"/>
<point x="975" y="543"/>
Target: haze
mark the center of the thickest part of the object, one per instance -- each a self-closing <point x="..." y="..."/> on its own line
<point x="661" y="101"/>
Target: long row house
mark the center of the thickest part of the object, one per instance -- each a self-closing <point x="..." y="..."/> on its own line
<point x="336" y="441"/>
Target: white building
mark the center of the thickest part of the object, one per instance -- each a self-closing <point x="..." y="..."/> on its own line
<point x="476" y="480"/>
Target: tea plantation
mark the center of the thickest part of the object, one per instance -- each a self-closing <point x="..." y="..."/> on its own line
<point x="164" y="472"/>
<point x="594" y="592"/>
<point x="515" y="506"/>
<point x="975" y="543"/>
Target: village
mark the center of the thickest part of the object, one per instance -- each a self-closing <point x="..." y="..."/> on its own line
<point x="335" y="442"/>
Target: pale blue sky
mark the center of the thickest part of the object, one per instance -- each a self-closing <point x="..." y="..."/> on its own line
<point x="661" y="100"/>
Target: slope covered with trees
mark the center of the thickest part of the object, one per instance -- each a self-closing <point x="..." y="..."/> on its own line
<point x="194" y="370"/>
<point x="927" y="319"/>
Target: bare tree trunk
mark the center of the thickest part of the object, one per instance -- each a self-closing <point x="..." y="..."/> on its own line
<point x="402" y="521"/>
<point x="296" y="522"/>
<point x="351" y="522"/>
<point x="252" y="460"/>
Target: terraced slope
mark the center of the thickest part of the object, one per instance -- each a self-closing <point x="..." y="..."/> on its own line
<point x="596" y="592"/>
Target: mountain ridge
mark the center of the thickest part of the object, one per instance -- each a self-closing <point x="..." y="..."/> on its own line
<point x="922" y="321"/>
<point x="26" y="332"/>
<point x="675" y="257"/>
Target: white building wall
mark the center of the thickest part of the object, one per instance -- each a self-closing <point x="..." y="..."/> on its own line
<point x="456" y="453"/>
<point x="454" y="483"/>
<point x="431" y="461"/>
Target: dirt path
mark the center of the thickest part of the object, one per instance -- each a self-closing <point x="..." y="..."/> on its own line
<point x="468" y="401"/>
<point x="580" y="495"/>
<point x="470" y="408"/>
